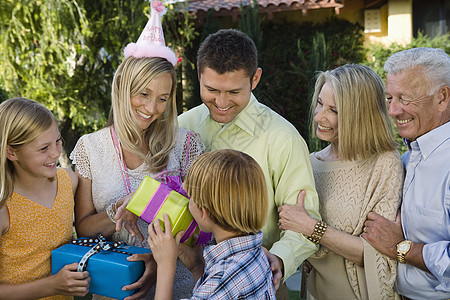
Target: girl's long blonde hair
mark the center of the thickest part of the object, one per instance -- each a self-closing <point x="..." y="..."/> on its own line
<point x="21" y="121"/>
<point x="132" y="77"/>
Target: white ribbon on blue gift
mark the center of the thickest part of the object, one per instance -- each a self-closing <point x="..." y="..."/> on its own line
<point x="101" y="245"/>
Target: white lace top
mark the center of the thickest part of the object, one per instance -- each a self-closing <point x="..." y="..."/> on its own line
<point x="95" y="158"/>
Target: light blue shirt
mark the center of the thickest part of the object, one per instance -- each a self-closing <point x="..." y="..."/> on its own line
<point x="426" y="215"/>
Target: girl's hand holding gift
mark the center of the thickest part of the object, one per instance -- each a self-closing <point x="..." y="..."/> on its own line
<point x="69" y="282"/>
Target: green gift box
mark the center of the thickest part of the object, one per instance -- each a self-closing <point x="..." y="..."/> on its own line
<point x="153" y="199"/>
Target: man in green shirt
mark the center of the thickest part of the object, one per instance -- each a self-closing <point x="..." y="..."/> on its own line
<point x="232" y="118"/>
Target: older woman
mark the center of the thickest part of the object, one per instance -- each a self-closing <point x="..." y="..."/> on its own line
<point x="358" y="172"/>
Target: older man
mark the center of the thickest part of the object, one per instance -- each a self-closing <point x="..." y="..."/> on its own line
<point x="418" y="95"/>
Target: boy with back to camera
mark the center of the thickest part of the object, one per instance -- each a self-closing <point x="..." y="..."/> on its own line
<point x="228" y="197"/>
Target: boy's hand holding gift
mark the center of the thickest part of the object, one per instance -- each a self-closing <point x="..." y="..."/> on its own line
<point x="162" y="243"/>
<point x="165" y="252"/>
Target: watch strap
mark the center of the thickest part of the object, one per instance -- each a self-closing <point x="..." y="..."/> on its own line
<point x="401" y="254"/>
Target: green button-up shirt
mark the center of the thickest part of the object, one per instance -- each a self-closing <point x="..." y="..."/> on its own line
<point x="284" y="158"/>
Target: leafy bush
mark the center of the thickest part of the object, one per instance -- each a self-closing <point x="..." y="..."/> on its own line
<point x="3" y="95"/>
<point x="378" y="53"/>
<point x="291" y="58"/>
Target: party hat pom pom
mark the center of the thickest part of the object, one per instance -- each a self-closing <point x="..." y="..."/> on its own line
<point x="159" y="7"/>
<point x="151" y="41"/>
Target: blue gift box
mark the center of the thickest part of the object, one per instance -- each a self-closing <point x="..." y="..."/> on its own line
<point x="109" y="270"/>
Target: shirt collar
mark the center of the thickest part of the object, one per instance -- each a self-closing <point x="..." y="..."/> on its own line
<point x="216" y="252"/>
<point x="431" y="140"/>
<point x="204" y="114"/>
<point x="244" y="120"/>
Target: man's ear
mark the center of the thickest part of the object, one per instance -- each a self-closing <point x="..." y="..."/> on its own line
<point x="10" y="153"/>
<point x="444" y="98"/>
<point x="256" y="78"/>
<point x="198" y="73"/>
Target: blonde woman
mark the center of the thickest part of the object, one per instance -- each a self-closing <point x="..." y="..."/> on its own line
<point x="358" y="172"/>
<point x="141" y="138"/>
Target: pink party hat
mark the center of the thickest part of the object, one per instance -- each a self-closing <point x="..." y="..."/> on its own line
<point x="151" y="41"/>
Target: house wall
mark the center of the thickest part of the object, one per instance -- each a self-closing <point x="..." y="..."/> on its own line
<point x="395" y="19"/>
<point x="400" y="21"/>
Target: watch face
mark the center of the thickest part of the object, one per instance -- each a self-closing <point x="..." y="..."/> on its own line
<point x="403" y="247"/>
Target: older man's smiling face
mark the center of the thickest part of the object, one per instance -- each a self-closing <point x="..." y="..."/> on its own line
<point x="418" y="117"/>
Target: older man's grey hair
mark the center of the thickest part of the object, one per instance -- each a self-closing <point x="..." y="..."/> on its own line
<point x="435" y="61"/>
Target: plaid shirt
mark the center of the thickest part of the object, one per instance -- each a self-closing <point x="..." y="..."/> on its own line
<point x="236" y="268"/>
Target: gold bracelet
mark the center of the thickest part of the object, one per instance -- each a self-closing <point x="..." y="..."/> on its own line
<point x="319" y="230"/>
<point x="110" y="212"/>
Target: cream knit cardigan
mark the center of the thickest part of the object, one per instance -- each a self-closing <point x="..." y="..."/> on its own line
<point x="348" y="191"/>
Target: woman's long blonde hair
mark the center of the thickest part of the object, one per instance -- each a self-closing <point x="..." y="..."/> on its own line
<point x="131" y="78"/>
<point x="21" y="121"/>
<point x="365" y="128"/>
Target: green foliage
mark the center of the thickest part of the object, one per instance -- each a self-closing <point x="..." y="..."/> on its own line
<point x="289" y="59"/>
<point x="250" y="23"/>
<point x="3" y="95"/>
<point x="63" y="53"/>
<point x="212" y="24"/>
<point x="42" y="44"/>
<point x="192" y="97"/>
<point x="378" y="53"/>
<point x="180" y="32"/>
<point x="179" y="27"/>
<point x="318" y="59"/>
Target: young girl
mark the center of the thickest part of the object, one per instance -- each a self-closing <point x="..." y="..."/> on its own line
<point x="36" y="205"/>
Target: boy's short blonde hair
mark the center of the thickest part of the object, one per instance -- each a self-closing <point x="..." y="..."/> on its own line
<point x="231" y="186"/>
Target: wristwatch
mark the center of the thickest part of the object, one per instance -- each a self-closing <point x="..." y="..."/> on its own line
<point x="402" y="249"/>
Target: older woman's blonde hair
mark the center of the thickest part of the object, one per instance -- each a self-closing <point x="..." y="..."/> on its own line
<point x="21" y="121"/>
<point x="231" y="186"/>
<point x="364" y="126"/>
<point x="130" y="79"/>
